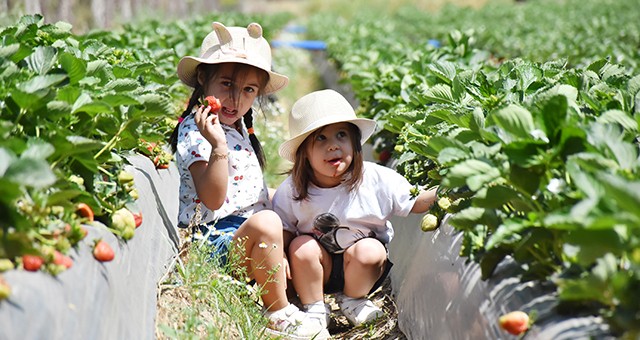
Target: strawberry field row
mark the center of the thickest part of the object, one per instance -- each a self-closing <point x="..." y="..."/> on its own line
<point x="527" y="117"/>
<point x="71" y="108"/>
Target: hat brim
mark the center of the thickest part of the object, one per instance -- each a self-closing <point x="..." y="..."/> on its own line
<point x="288" y="148"/>
<point x="187" y="72"/>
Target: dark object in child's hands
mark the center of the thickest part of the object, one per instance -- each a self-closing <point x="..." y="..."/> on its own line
<point x="335" y="237"/>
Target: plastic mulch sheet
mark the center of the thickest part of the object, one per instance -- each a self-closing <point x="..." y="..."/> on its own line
<point x="441" y="296"/>
<point x="110" y="300"/>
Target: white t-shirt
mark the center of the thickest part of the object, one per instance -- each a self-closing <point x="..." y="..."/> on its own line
<point x="382" y="194"/>
<point x="247" y="191"/>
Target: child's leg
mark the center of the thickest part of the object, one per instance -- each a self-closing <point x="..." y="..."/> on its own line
<point x="363" y="265"/>
<point x="261" y="235"/>
<point x="310" y="268"/>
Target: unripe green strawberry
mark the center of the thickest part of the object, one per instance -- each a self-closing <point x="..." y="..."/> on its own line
<point x="77" y="180"/>
<point x="5" y="264"/>
<point x="5" y="289"/>
<point x="125" y="177"/>
<point x="128" y="232"/>
<point x="429" y="222"/>
<point x="444" y="203"/>
<point x="134" y="194"/>
<point x="122" y="218"/>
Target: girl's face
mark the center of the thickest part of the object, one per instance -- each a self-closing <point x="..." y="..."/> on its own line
<point x="330" y="153"/>
<point x="236" y="91"/>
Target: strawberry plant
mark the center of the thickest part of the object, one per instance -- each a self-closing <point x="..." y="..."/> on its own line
<point x="538" y="158"/>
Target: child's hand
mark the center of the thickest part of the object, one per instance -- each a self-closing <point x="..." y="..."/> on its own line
<point x="209" y="126"/>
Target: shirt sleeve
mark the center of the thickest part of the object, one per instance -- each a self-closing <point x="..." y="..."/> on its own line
<point x="283" y="206"/>
<point x="398" y="189"/>
<point x="192" y="146"/>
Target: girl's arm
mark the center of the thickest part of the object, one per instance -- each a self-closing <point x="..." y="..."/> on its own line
<point x="211" y="178"/>
<point x="425" y="200"/>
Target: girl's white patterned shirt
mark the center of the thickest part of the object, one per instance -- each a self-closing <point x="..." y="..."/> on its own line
<point x="247" y="191"/>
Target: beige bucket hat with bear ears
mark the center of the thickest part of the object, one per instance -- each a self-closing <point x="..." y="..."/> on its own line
<point x="233" y="45"/>
<point x="316" y="110"/>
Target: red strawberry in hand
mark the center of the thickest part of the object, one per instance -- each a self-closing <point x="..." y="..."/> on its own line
<point x="102" y="251"/>
<point x="213" y="102"/>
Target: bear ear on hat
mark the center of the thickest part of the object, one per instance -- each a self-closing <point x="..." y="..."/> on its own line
<point x="255" y="30"/>
<point x="224" y="37"/>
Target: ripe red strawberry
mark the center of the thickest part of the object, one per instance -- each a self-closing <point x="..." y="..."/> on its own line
<point x="102" y="251"/>
<point x="32" y="263"/>
<point x="61" y="259"/>
<point x="138" y="218"/>
<point x="213" y="102"/>
<point x="515" y="323"/>
<point x="84" y="210"/>
<point x="384" y="156"/>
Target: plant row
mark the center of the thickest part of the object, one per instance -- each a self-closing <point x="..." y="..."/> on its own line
<point x="533" y="142"/>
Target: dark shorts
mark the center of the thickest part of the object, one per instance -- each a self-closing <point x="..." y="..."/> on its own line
<point x="336" y="278"/>
<point x="219" y="234"/>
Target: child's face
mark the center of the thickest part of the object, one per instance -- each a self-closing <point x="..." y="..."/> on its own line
<point x="236" y="91"/>
<point x="330" y="154"/>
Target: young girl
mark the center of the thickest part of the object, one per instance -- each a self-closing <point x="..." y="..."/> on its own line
<point x="337" y="207"/>
<point x="222" y="189"/>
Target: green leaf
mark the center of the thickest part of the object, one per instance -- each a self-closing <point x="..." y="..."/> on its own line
<point x="619" y="117"/>
<point x="155" y="105"/>
<point x="41" y="82"/>
<point x="42" y="59"/>
<point x="445" y="70"/>
<point x="625" y="193"/>
<point x="63" y="196"/>
<point x="122" y="85"/>
<point x="473" y="216"/>
<point x="7" y="157"/>
<point x="474" y="173"/>
<point x="452" y="155"/>
<point x="515" y="120"/>
<point x="38" y="149"/>
<point x="506" y="233"/>
<point x="554" y="114"/>
<point x="31" y="172"/>
<point x="496" y="196"/>
<point x="490" y="260"/>
<point x="440" y="93"/>
<point x="585" y="246"/>
<point x="76" y="68"/>
<point x="120" y="99"/>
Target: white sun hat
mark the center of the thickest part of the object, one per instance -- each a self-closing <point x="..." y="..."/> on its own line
<point x="233" y="45"/>
<point x="318" y="109"/>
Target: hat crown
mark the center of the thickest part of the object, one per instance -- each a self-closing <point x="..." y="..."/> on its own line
<point x="318" y="109"/>
<point x="233" y="45"/>
<point x="237" y="42"/>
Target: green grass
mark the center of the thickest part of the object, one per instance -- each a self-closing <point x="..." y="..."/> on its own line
<point x="199" y="299"/>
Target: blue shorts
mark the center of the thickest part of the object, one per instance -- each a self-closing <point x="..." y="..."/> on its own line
<point x="219" y="234"/>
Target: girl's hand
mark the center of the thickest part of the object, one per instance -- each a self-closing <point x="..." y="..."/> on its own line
<point x="209" y="126"/>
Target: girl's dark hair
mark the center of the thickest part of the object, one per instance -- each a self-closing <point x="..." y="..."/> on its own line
<point x="302" y="173"/>
<point x="209" y="71"/>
